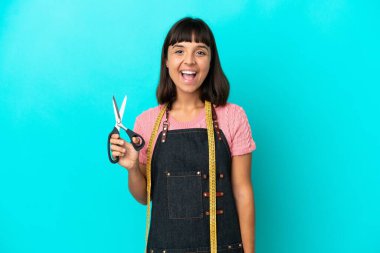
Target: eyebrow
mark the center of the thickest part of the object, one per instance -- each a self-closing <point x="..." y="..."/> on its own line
<point x="181" y="46"/>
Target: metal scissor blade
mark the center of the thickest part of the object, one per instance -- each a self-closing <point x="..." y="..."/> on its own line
<point x="122" y="108"/>
<point x="116" y="110"/>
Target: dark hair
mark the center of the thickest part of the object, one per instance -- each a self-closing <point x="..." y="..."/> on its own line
<point x="215" y="88"/>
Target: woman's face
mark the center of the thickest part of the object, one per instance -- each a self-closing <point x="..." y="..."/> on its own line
<point x="188" y="64"/>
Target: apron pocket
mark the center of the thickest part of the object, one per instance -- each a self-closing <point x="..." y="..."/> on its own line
<point x="184" y="191"/>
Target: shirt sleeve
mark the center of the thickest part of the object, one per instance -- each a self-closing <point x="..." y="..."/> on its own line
<point x="241" y="135"/>
<point x="139" y="129"/>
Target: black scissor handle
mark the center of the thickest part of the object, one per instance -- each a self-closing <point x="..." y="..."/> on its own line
<point x="132" y="134"/>
<point x="114" y="131"/>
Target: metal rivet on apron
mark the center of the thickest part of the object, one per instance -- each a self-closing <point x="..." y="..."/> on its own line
<point x="151" y="251"/>
<point x="240" y="245"/>
<point x="198" y="172"/>
<point x="229" y="246"/>
<point x="204" y="176"/>
<point x="164" y="251"/>
<point x="168" y="174"/>
<point x="221" y="175"/>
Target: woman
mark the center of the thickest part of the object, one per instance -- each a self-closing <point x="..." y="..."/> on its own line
<point x="198" y="161"/>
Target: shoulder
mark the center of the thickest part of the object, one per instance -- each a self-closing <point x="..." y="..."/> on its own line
<point x="235" y="125"/>
<point x="233" y="117"/>
<point x="230" y="109"/>
<point x="149" y="115"/>
<point x="144" y="124"/>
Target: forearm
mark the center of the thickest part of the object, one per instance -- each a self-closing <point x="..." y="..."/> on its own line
<point x="246" y="211"/>
<point x="137" y="184"/>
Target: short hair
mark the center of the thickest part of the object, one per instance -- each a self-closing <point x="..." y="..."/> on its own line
<point x="215" y="88"/>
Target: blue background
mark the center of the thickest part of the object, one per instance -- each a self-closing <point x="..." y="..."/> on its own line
<point x="306" y="73"/>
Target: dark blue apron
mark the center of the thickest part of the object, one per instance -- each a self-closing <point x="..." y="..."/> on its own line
<point x="180" y="194"/>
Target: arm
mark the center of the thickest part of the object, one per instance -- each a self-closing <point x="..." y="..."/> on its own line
<point x="129" y="159"/>
<point x="137" y="182"/>
<point x="137" y="172"/>
<point x="243" y="193"/>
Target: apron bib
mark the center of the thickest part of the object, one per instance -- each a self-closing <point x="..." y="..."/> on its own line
<point x="193" y="208"/>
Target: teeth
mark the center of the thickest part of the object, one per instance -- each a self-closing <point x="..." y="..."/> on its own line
<point x="188" y="72"/>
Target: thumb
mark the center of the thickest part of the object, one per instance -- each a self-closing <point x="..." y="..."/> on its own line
<point x="136" y="140"/>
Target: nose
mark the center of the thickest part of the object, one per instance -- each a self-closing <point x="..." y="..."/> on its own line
<point x="189" y="59"/>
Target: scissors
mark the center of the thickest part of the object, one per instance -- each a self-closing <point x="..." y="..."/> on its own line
<point x="116" y="129"/>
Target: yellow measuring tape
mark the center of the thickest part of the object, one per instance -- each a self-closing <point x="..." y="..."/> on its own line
<point x="212" y="173"/>
<point x="212" y="178"/>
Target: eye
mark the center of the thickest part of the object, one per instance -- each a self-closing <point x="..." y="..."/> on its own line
<point x="201" y="53"/>
<point x="178" y="52"/>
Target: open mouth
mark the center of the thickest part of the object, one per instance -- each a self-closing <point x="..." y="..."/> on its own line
<point x="188" y="75"/>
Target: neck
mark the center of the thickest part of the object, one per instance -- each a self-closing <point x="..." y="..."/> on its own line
<point x="187" y="102"/>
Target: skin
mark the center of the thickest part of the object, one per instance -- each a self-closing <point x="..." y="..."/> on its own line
<point x="197" y="57"/>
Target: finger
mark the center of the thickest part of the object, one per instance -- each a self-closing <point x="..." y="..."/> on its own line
<point x="117" y="141"/>
<point x="136" y="140"/>
<point x="114" y="136"/>
<point x="116" y="153"/>
<point x="117" y="148"/>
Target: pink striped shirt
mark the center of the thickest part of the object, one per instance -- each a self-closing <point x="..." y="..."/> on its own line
<point x="231" y="118"/>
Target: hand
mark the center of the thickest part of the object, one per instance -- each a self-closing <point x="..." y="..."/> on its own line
<point x="128" y="156"/>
